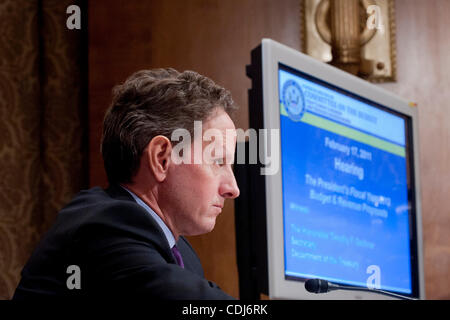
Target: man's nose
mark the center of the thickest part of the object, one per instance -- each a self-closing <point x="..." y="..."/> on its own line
<point x="229" y="188"/>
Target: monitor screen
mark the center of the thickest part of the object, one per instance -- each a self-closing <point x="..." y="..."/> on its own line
<point x="335" y="194"/>
<point x="346" y="182"/>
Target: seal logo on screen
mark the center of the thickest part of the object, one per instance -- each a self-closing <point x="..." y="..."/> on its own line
<point x="293" y="99"/>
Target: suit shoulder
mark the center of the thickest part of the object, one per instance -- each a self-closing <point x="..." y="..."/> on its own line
<point x="97" y="211"/>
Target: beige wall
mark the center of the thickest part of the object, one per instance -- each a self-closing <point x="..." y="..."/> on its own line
<point x="215" y="37"/>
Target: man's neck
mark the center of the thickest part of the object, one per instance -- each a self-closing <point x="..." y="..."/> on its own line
<point x="149" y="197"/>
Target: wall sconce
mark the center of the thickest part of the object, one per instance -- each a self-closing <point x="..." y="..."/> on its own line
<point x="357" y="36"/>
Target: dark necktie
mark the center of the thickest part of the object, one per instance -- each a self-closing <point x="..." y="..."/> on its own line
<point x="177" y="255"/>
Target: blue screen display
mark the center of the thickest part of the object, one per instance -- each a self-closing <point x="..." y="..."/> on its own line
<point x="345" y="187"/>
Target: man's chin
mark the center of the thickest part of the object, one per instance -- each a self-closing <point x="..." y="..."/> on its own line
<point x="209" y="225"/>
<point x="206" y="227"/>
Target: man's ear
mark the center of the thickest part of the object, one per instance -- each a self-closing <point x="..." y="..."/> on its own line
<point x="159" y="152"/>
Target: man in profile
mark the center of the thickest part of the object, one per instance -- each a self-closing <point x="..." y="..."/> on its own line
<point x="127" y="240"/>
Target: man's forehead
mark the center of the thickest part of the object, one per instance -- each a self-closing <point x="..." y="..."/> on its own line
<point x="219" y="120"/>
<point x="220" y="129"/>
<point x="225" y="138"/>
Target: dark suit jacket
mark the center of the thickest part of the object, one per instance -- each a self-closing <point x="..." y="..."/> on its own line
<point x="120" y="250"/>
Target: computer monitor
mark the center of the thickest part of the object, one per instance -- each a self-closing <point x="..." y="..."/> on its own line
<point x="344" y="203"/>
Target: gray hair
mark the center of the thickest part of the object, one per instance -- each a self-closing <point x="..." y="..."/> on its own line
<point x="150" y="103"/>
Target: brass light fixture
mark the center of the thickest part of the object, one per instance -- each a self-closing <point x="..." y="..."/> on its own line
<point x="357" y="36"/>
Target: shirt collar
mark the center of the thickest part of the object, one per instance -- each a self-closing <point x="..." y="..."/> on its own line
<point x="169" y="236"/>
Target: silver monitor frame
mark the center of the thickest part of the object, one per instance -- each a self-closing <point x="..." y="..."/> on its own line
<point x="274" y="53"/>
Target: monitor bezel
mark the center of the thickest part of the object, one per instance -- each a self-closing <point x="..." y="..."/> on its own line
<point x="272" y="55"/>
